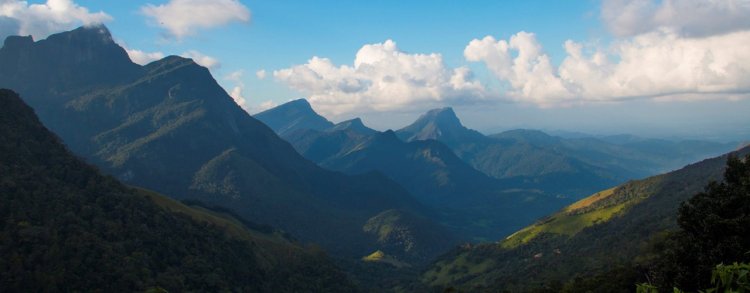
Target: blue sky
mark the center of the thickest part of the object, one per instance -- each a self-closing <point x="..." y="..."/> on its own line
<point x="648" y="67"/>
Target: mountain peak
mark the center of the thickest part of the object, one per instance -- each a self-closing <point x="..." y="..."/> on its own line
<point x="355" y="125"/>
<point x="444" y="115"/>
<point x="293" y="115"/>
<point x="84" y="57"/>
<point x="440" y="124"/>
<point x="90" y="34"/>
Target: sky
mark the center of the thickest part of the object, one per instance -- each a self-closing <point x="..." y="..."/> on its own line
<point x="656" y="68"/>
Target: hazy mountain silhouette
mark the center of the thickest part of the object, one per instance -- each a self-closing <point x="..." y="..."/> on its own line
<point x="571" y="167"/>
<point x="297" y="114"/>
<point x="430" y="171"/>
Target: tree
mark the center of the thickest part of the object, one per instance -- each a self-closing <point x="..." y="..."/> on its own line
<point x="714" y="229"/>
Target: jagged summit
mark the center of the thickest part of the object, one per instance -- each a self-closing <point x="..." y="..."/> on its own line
<point x="94" y="32"/>
<point x="292" y="116"/>
<point x="442" y="125"/>
<point x="86" y="57"/>
<point x="355" y="125"/>
<point x="444" y="116"/>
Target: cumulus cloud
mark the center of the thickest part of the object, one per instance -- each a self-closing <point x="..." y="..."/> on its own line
<point x="183" y="18"/>
<point x="239" y="87"/>
<point x="42" y="20"/>
<point x="202" y="59"/>
<point x="261" y="74"/>
<point x="530" y="73"/>
<point x="691" y="18"/>
<point x="655" y="64"/>
<point x="381" y="78"/>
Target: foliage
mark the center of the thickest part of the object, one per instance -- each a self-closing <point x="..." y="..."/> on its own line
<point x="714" y="228"/>
<point x="583" y="262"/>
<point x="734" y="278"/>
<point x="646" y="288"/>
<point x="65" y="227"/>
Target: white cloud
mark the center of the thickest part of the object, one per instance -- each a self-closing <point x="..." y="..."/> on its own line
<point x="235" y="76"/>
<point x="239" y="87"/>
<point x="261" y="74"/>
<point x="530" y="73"/>
<point x="382" y="78"/>
<point x="183" y="18"/>
<point x="143" y="58"/>
<point x="664" y="50"/>
<point x="42" y="20"/>
<point x="202" y="59"/>
<point x="691" y="18"/>
<point x="264" y="106"/>
<point x="238" y="97"/>
<point x="655" y="64"/>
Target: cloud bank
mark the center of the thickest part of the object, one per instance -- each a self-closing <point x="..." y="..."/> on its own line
<point x="382" y="78"/>
<point x="663" y="49"/>
<point x="649" y="65"/>
<point x="691" y="18"/>
<point x="182" y="18"/>
<point x="674" y="50"/>
<point x="42" y="20"/>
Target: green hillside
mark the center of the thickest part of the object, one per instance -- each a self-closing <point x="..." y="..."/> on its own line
<point x="608" y="229"/>
<point x="68" y="228"/>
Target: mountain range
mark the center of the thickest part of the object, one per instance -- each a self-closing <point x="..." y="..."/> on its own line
<point x="169" y="127"/>
<point x="66" y="227"/>
<point x="571" y="167"/>
<point x="484" y="186"/>
<point x="473" y="204"/>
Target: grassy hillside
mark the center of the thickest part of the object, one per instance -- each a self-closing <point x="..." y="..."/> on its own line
<point x="589" y="237"/>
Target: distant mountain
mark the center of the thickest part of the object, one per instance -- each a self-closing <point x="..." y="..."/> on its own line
<point x="592" y="236"/>
<point x="66" y="227"/>
<point x="538" y="166"/>
<point x="297" y="114"/>
<point x="625" y="156"/>
<point x="354" y="125"/>
<point x="570" y="167"/>
<point x="168" y="126"/>
<point x="441" y="125"/>
<point x="468" y="201"/>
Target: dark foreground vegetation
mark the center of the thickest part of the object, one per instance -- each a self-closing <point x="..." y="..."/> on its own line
<point x="64" y="227"/>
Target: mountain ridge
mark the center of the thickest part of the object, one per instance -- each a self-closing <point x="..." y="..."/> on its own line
<point x="291" y="116"/>
<point x="68" y="227"/>
<point x="169" y="127"/>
